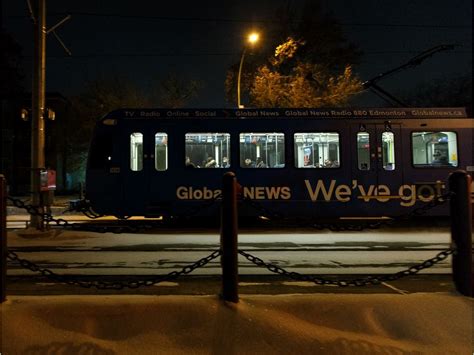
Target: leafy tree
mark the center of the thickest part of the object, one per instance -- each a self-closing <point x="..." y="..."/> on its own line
<point x="319" y="41"/>
<point x="306" y="85"/>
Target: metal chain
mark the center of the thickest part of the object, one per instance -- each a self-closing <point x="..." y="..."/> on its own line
<point x="268" y="213"/>
<point x="101" y="227"/>
<point x="368" y="280"/>
<point x="115" y="285"/>
<point x="84" y="207"/>
<point x="61" y="222"/>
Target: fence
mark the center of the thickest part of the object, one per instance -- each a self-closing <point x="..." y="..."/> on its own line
<point x="461" y="231"/>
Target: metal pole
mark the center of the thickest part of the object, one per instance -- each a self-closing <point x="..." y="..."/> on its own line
<point x="238" y="78"/>
<point x="3" y="239"/>
<point x="461" y="231"/>
<point x="38" y="108"/>
<point x="229" y="231"/>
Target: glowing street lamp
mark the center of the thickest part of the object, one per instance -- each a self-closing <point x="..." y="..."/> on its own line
<point x="251" y="39"/>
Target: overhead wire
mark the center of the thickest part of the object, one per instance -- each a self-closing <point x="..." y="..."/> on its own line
<point x="236" y="20"/>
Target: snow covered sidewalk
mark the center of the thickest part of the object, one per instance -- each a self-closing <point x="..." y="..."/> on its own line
<point x="437" y="323"/>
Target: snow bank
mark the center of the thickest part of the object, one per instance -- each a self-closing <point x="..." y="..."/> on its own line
<point x="280" y="324"/>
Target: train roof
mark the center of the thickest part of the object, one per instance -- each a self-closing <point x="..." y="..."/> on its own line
<point x="359" y="113"/>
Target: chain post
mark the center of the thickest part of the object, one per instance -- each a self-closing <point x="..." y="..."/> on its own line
<point x="3" y="239"/>
<point x="229" y="232"/>
<point x="461" y="231"/>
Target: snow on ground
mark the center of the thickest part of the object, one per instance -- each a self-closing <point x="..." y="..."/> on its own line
<point x="279" y="324"/>
<point x="327" y="252"/>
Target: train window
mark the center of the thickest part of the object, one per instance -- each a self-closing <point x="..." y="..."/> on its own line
<point x="317" y="150"/>
<point x="161" y="151"/>
<point x="207" y="150"/>
<point x="388" y="151"/>
<point x="136" y="151"/>
<point x="434" y="149"/>
<point x="262" y="150"/>
<point x="363" y="150"/>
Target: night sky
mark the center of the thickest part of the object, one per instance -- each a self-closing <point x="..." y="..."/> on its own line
<point x="201" y="39"/>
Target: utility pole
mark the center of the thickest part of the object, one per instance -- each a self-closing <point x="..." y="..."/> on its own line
<point x="38" y="109"/>
<point x="38" y="102"/>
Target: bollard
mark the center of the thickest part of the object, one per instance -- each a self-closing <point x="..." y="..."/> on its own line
<point x="461" y="231"/>
<point x="229" y="230"/>
<point x="3" y="239"/>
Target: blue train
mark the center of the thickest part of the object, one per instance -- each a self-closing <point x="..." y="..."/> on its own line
<point x="295" y="162"/>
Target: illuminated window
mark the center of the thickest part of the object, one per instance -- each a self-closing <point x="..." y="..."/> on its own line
<point x="388" y="151"/>
<point x="161" y="151"/>
<point x="317" y="150"/>
<point x="136" y="151"/>
<point x="207" y="150"/>
<point x="434" y="149"/>
<point x="363" y="151"/>
<point x="262" y="150"/>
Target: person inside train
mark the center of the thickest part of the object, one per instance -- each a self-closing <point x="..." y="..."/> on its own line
<point x="210" y="163"/>
<point x="189" y="163"/>
<point x="225" y="162"/>
<point x="439" y="159"/>
<point x="260" y="163"/>
<point x="248" y="163"/>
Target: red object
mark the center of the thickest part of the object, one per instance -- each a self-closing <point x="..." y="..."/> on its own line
<point x="48" y="180"/>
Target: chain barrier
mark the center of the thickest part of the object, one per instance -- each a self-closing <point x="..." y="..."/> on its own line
<point x="82" y="206"/>
<point x="367" y="280"/>
<point x="102" y="227"/>
<point x="61" y="222"/>
<point x="272" y="215"/>
<point x="116" y="227"/>
<point x="417" y="212"/>
<point x="115" y="285"/>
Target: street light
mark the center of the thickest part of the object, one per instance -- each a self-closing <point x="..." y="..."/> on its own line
<point x="251" y="39"/>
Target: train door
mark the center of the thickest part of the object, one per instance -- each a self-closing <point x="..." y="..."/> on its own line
<point x="136" y="167"/>
<point x="160" y="180"/>
<point x="376" y="165"/>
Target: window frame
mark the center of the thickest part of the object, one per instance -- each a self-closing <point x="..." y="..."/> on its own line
<point x="431" y="166"/>
<point x="130" y="152"/>
<point x="167" y="152"/>
<point x="371" y="165"/>
<point x="228" y="133"/>
<point x="285" y="147"/>
<point x="382" y="167"/>
<point x="338" y="132"/>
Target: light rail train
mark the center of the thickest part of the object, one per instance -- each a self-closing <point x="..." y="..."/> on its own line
<point x="295" y="162"/>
